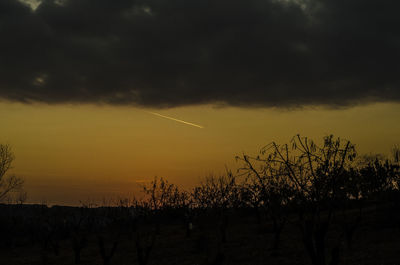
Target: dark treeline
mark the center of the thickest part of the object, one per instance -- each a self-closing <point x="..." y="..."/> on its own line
<point x="321" y="194"/>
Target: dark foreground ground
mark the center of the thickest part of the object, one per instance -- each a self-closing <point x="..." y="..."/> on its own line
<point x="376" y="241"/>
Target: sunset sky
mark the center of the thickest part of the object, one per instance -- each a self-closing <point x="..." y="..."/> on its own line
<point x="87" y="86"/>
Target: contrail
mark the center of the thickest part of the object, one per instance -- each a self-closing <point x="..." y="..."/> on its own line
<point x="170" y="118"/>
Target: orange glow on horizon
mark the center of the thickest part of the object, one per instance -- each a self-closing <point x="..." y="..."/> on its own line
<point x="69" y="153"/>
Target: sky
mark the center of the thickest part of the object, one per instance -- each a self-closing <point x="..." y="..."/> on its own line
<point x="98" y="96"/>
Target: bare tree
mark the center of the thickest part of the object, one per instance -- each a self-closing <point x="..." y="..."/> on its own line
<point x="161" y="194"/>
<point x="316" y="175"/>
<point x="9" y="183"/>
<point x="270" y="193"/>
<point x="220" y="195"/>
<point x="144" y="245"/>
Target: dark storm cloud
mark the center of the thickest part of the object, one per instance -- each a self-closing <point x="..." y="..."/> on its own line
<point x="177" y="52"/>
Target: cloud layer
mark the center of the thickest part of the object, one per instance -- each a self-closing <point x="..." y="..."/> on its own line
<point x="164" y="53"/>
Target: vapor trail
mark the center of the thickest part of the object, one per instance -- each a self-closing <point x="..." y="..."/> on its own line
<point x="170" y="118"/>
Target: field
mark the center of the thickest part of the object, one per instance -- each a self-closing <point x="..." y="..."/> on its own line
<point x="375" y="241"/>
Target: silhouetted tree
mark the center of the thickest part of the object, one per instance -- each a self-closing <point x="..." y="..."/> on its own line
<point x="270" y="192"/>
<point x="8" y="183"/>
<point x="218" y="194"/>
<point x="107" y="255"/>
<point x="144" y="245"/>
<point x="161" y="196"/>
<point x="314" y="173"/>
<point x="80" y="224"/>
